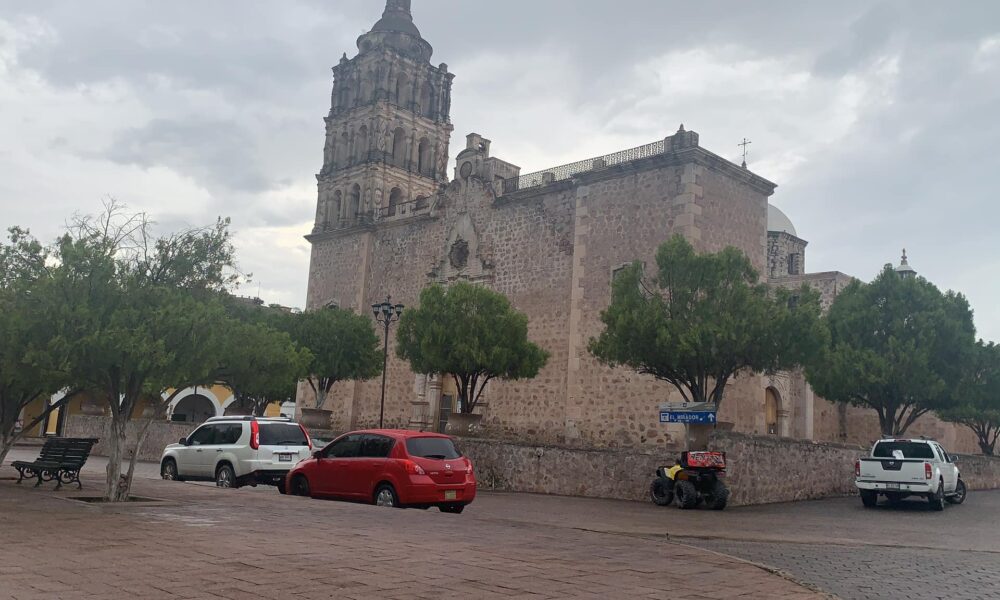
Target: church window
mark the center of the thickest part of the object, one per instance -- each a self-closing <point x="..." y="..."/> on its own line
<point x="355" y="209"/>
<point x="344" y="151"/>
<point x="399" y="147"/>
<point x="335" y="213"/>
<point x="794" y="262"/>
<point x="425" y="100"/>
<point x="361" y="145"/>
<point x="395" y="197"/>
<point x="424" y="161"/>
<point x="402" y="90"/>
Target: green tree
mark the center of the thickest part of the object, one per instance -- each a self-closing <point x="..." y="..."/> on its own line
<point x="897" y="346"/>
<point x="703" y="320"/>
<point x="23" y="335"/>
<point x="471" y="333"/>
<point x="261" y="365"/>
<point x="343" y="345"/>
<point x="977" y="398"/>
<point x="132" y="313"/>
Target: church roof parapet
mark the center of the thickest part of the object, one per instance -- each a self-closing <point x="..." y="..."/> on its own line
<point x="683" y="142"/>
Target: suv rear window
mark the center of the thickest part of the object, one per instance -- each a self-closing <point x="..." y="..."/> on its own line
<point x="909" y="449"/>
<point x="282" y="434"/>
<point x="432" y="447"/>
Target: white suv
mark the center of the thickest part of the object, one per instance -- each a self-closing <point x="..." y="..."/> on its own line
<point x="237" y="451"/>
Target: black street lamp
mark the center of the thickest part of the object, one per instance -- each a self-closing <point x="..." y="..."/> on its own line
<point x="386" y="314"/>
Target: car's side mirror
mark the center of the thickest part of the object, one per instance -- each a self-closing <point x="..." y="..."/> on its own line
<point x="318" y="454"/>
<point x="183" y="442"/>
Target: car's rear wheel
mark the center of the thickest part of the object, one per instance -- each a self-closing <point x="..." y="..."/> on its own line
<point x="869" y="498"/>
<point x="168" y="470"/>
<point x="960" y="494"/>
<point x="225" y="477"/>
<point x="452" y="509"/>
<point x="386" y="496"/>
<point x="687" y="495"/>
<point x="661" y="491"/>
<point x="300" y="486"/>
<point x="937" y="498"/>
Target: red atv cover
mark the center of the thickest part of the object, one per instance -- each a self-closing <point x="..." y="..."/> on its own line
<point x="708" y="460"/>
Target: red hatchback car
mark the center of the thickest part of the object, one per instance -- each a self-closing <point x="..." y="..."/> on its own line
<point x="388" y="468"/>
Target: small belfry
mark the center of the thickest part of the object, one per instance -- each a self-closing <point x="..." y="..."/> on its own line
<point x="388" y="129"/>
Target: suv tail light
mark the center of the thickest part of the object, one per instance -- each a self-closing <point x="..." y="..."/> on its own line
<point x="305" y="432"/>
<point x="413" y="468"/>
<point x="928" y="473"/>
<point x="857" y="468"/>
<point x="254" y="435"/>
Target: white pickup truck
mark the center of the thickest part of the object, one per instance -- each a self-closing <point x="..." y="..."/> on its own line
<point x="900" y="468"/>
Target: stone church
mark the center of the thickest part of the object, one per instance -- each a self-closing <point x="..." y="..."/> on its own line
<point x="392" y="218"/>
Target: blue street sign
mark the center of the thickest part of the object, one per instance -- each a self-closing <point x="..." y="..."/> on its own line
<point x="700" y="417"/>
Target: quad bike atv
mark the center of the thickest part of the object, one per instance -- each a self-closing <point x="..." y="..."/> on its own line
<point x="696" y="479"/>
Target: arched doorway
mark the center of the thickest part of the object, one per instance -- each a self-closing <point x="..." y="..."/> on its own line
<point x="772" y="404"/>
<point x="395" y="198"/>
<point x="194" y="409"/>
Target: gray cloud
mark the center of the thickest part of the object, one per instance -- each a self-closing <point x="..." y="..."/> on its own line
<point x="878" y="120"/>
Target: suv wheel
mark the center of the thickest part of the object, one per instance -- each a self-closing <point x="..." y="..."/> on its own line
<point x="386" y="496"/>
<point x="960" y="494"/>
<point x="937" y="498"/>
<point x="168" y="470"/>
<point x="225" y="477"/>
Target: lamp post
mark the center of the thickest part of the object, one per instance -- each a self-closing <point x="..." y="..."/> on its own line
<point x="386" y="314"/>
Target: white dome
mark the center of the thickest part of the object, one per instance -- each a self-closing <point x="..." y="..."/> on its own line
<point x="779" y="221"/>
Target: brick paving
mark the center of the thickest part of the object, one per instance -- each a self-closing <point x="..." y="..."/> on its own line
<point x="210" y="543"/>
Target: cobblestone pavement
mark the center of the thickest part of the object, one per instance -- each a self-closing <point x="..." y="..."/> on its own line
<point x="203" y="542"/>
<point x="877" y="573"/>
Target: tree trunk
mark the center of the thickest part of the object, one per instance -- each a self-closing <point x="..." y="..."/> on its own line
<point x="321" y="393"/>
<point x="143" y="433"/>
<point x="114" y="490"/>
<point x="6" y="443"/>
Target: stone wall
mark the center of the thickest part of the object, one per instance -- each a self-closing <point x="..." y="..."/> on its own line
<point x="761" y="470"/>
<point x="161" y="434"/>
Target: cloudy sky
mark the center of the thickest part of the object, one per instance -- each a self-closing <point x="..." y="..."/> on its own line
<point x="880" y="121"/>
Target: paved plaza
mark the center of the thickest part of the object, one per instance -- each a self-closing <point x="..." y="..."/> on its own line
<point x="202" y="542"/>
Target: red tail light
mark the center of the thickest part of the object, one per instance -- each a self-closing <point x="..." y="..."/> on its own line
<point x="254" y="435"/>
<point x="305" y="432"/>
<point x="413" y="468"/>
<point x="928" y="473"/>
<point x="857" y="468"/>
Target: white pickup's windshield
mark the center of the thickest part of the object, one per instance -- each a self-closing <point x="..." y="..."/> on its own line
<point x="909" y="450"/>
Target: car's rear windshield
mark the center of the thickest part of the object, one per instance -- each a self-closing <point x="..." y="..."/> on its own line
<point x="909" y="450"/>
<point x="432" y="447"/>
<point x="282" y="434"/>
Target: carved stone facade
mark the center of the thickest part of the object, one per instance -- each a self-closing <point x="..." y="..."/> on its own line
<point x="550" y="241"/>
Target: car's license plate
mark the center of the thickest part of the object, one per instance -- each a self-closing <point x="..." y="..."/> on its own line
<point x="892" y="486"/>
<point x="450" y="495"/>
<point x="284" y="458"/>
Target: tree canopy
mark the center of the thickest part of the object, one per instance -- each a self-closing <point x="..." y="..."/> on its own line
<point x="898" y="346"/>
<point x="343" y="346"/>
<point x="977" y="398"/>
<point x="705" y="319"/>
<point x="471" y="333"/>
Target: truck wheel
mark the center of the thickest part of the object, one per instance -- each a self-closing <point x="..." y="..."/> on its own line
<point x="661" y="491"/>
<point x="869" y="498"/>
<point x="960" y="494"/>
<point x="937" y="498"/>
<point x="719" y="497"/>
<point x="687" y="496"/>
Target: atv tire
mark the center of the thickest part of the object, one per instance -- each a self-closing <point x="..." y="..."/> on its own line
<point x="661" y="491"/>
<point x="687" y="496"/>
<point x="719" y="497"/>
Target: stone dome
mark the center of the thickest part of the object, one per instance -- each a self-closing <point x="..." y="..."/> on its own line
<point x="779" y="221"/>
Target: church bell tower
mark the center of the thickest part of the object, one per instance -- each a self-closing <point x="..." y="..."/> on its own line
<point x="389" y="126"/>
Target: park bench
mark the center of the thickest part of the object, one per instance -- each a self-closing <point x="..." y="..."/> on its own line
<point x="61" y="460"/>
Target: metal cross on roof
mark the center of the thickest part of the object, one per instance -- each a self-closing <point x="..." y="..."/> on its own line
<point x="744" y="144"/>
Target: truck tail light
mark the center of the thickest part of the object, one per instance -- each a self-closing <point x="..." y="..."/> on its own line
<point x="305" y="432"/>
<point x="413" y="468"/>
<point x="928" y="473"/>
<point x="857" y="468"/>
<point x="254" y="435"/>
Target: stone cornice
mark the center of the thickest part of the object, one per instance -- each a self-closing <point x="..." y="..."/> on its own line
<point x="323" y="236"/>
<point x="695" y="155"/>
